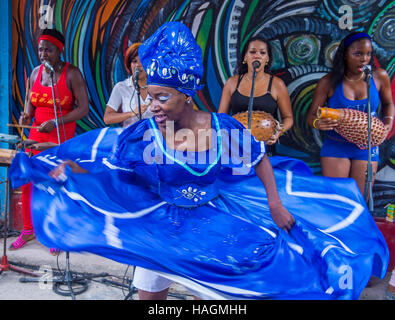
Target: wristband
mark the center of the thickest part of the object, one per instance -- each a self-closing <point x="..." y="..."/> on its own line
<point x="55" y="123"/>
<point x="315" y="120"/>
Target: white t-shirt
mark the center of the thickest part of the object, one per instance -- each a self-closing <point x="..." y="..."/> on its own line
<point x="124" y="96"/>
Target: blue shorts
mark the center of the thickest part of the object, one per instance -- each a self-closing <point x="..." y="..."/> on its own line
<point x="343" y="149"/>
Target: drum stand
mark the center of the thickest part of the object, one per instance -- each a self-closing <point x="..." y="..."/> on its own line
<point x="368" y="192"/>
<point x="5" y="265"/>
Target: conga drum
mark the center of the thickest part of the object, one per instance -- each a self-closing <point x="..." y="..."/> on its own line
<point x="263" y="125"/>
<point x="353" y="126"/>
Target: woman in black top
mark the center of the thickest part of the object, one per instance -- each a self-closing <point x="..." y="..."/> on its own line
<point x="270" y="92"/>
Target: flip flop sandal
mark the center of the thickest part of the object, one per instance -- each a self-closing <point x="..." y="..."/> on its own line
<point x="20" y="242"/>
<point x="54" y="251"/>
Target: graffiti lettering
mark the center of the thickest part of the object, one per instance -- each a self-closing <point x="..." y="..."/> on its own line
<point x="46" y="17"/>
<point x="345" y="21"/>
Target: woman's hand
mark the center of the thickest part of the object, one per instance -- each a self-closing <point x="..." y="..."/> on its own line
<point x="279" y="213"/>
<point x="24" y="119"/>
<point x="144" y="107"/>
<point x="40" y="146"/>
<point x="273" y="139"/>
<point x="387" y="128"/>
<point x="282" y="217"/>
<point x="47" y="126"/>
<point x="59" y="172"/>
<point x="135" y="112"/>
<point x="25" y="143"/>
<point x="325" y="124"/>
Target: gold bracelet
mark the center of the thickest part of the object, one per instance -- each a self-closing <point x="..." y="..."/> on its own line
<point x="282" y="132"/>
<point x="316" y="119"/>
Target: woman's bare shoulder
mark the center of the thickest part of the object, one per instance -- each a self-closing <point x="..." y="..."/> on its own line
<point x="231" y="83"/>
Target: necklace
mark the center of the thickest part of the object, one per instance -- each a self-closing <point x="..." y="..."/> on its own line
<point x="248" y="78"/>
<point x="354" y="80"/>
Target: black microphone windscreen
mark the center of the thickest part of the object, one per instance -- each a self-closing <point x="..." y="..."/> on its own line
<point x="256" y="64"/>
<point x="48" y="66"/>
<point x="137" y="71"/>
<point x="367" y="68"/>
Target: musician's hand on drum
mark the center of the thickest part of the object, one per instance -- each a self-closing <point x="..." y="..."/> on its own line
<point x="25" y="143"/>
<point x="59" y="172"/>
<point x="326" y="124"/>
<point x="24" y="119"/>
<point x="42" y="146"/>
<point x="47" y="126"/>
<point x="387" y="127"/>
<point x="273" y="139"/>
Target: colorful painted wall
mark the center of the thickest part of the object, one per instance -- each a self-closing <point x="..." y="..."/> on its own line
<point x="303" y="36"/>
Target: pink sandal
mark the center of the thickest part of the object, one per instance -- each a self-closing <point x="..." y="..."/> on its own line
<point x="54" y="251"/>
<point x="20" y="242"/>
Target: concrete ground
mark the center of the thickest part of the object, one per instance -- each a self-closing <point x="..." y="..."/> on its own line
<point x="35" y="257"/>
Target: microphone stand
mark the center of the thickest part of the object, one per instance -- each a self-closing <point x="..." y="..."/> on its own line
<point x="368" y="192"/>
<point x="54" y="105"/>
<point x="250" y="102"/>
<point x="137" y="86"/>
<point x="5" y="265"/>
<point x="68" y="277"/>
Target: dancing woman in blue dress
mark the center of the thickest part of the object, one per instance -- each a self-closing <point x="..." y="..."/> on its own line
<point x="191" y="197"/>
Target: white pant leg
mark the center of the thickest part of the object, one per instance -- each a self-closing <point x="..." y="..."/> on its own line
<point x="148" y="280"/>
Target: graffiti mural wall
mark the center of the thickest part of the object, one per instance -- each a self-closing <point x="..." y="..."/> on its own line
<point x="303" y="36"/>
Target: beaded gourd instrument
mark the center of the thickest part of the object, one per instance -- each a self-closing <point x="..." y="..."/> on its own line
<point x="353" y="126"/>
<point x="263" y="125"/>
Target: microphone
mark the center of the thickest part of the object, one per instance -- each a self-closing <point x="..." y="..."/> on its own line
<point x="137" y="72"/>
<point x="367" y="69"/>
<point x="48" y="66"/>
<point x="256" y="64"/>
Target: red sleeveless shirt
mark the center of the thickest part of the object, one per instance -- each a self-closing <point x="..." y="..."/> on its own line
<point x="41" y="98"/>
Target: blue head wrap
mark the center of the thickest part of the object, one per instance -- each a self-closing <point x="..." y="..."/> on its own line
<point x="172" y="58"/>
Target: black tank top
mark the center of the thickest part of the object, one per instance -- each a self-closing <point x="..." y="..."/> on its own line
<point x="266" y="102"/>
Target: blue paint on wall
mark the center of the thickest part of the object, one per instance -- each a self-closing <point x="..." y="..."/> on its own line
<point x="5" y="85"/>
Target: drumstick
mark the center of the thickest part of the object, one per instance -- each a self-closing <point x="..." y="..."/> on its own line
<point x="21" y="126"/>
<point x="26" y="94"/>
<point x="27" y="86"/>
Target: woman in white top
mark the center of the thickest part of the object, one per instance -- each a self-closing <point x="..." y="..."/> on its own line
<point x="123" y="104"/>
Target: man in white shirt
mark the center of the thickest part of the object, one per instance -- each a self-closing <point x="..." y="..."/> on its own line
<point x="123" y="104"/>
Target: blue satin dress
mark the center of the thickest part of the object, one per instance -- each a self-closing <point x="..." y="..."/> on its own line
<point x="202" y="218"/>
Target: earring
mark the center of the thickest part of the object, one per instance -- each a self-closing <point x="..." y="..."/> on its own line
<point x="244" y="62"/>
